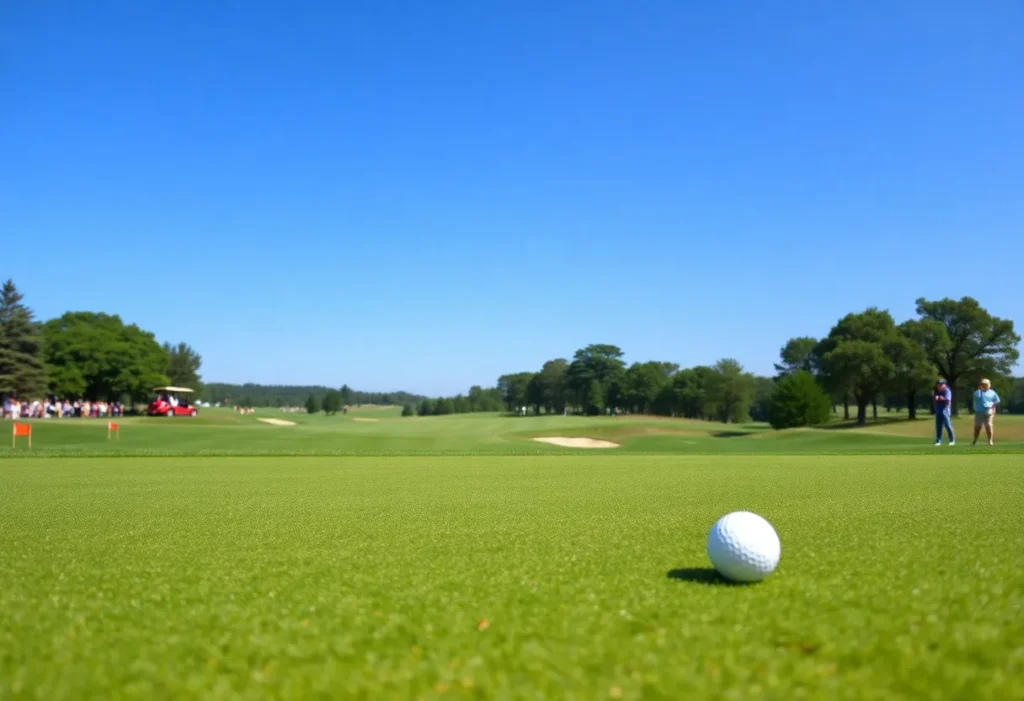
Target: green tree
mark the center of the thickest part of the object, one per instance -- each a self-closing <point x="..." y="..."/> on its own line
<point x="408" y="410"/>
<point x="798" y="354"/>
<point x="764" y="390"/>
<point x="913" y="369"/>
<point x="864" y="367"/>
<point x="732" y="391"/>
<point x="312" y="405"/>
<point x="346" y="395"/>
<point x="426" y="408"/>
<point x="513" y="389"/>
<point x="595" y="400"/>
<point x="97" y="357"/>
<point x="535" y="393"/>
<point x="331" y="403"/>
<point x="690" y="392"/>
<point x="22" y="367"/>
<point x="601" y="363"/>
<point x="552" y="385"/>
<point x="183" y="364"/>
<point x="976" y="342"/>
<point x="798" y="401"/>
<point x="644" y="383"/>
<point x="443" y="407"/>
<point x="858" y="371"/>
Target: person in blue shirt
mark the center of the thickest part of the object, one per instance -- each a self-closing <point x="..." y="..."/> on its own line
<point x="985" y="402"/>
<point x="943" y="401"/>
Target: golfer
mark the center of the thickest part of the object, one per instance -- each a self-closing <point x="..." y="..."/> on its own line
<point x="985" y="401"/>
<point x="943" y="401"/>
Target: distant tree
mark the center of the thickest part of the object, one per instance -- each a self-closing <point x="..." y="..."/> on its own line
<point x="644" y="383"/>
<point x="798" y="354"/>
<point x="426" y="408"/>
<point x="246" y="402"/>
<point x="595" y="398"/>
<point x="97" y="357"/>
<point x="551" y="383"/>
<point x="1015" y="399"/>
<point x="601" y="363"/>
<point x="535" y="393"/>
<point x="22" y="365"/>
<point x="732" y="391"/>
<point x="312" y="405"/>
<point x="855" y="357"/>
<point x="443" y="407"/>
<point x="331" y="403"/>
<point x="798" y="400"/>
<point x="183" y="364"/>
<point x="913" y="370"/>
<point x="764" y="389"/>
<point x="690" y="392"/>
<point x="346" y="395"/>
<point x="513" y="389"/>
<point x="408" y="410"/>
<point x="976" y="342"/>
<point x="865" y="366"/>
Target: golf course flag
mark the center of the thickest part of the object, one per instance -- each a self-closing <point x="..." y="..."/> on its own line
<point x="21" y="430"/>
<point x="112" y="427"/>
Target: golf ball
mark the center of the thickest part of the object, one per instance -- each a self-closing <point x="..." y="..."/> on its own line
<point x="744" y="547"/>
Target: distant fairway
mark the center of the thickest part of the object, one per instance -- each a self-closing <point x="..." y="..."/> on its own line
<point x="223" y="432"/>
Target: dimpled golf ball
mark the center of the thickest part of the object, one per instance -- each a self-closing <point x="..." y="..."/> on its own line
<point x="744" y="547"/>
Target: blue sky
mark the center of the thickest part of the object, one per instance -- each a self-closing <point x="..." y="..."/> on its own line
<point x="423" y="195"/>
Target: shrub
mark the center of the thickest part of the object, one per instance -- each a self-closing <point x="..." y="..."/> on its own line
<point x="798" y="401"/>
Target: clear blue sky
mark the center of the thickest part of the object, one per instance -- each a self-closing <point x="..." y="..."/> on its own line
<point x="425" y="195"/>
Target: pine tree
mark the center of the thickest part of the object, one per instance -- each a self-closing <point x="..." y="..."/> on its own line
<point x="22" y="370"/>
<point x="312" y="405"/>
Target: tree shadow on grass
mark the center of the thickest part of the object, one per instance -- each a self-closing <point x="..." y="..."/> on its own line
<point x="702" y="575"/>
<point x="852" y="423"/>
<point x="731" y="434"/>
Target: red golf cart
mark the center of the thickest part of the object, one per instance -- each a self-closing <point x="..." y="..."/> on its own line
<point x="172" y="401"/>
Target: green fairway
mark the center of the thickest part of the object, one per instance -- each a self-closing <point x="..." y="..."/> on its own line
<point x="508" y="577"/>
<point x="383" y="432"/>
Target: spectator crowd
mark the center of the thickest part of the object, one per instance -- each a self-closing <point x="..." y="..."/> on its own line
<point x="53" y="408"/>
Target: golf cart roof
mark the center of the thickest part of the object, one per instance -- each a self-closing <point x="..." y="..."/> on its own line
<point x="172" y="389"/>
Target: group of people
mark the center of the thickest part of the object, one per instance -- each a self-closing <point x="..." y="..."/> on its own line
<point x="54" y="408"/>
<point x="985" y="402"/>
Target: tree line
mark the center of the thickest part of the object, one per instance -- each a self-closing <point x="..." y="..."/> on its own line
<point x="256" y="395"/>
<point x="85" y="355"/>
<point x="865" y="359"/>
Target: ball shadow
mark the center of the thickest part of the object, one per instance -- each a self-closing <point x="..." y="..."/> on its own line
<point x="703" y="575"/>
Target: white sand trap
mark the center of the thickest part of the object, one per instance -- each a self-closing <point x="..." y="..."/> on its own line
<point x="278" y="422"/>
<point x="359" y="418"/>
<point x="577" y="442"/>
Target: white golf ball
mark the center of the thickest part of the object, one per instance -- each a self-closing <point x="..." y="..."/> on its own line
<point x="744" y="547"/>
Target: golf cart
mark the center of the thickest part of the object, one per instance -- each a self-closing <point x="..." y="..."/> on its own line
<point x="169" y="403"/>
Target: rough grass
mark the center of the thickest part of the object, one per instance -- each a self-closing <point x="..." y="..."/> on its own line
<point x="508" y="577"/>
<point x="226" y="433"/>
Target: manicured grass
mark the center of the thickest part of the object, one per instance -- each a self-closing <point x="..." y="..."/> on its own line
<point x="509" y="577"/>
<point x="383" y="432"/>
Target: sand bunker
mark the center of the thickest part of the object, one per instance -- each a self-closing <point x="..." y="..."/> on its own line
<point x="362" y="419"/>
<point x="278" y="422"/>
<point x="577" y="442"/>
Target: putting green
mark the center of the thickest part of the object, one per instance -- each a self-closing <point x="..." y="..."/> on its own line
<point x="508" y="577"/>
